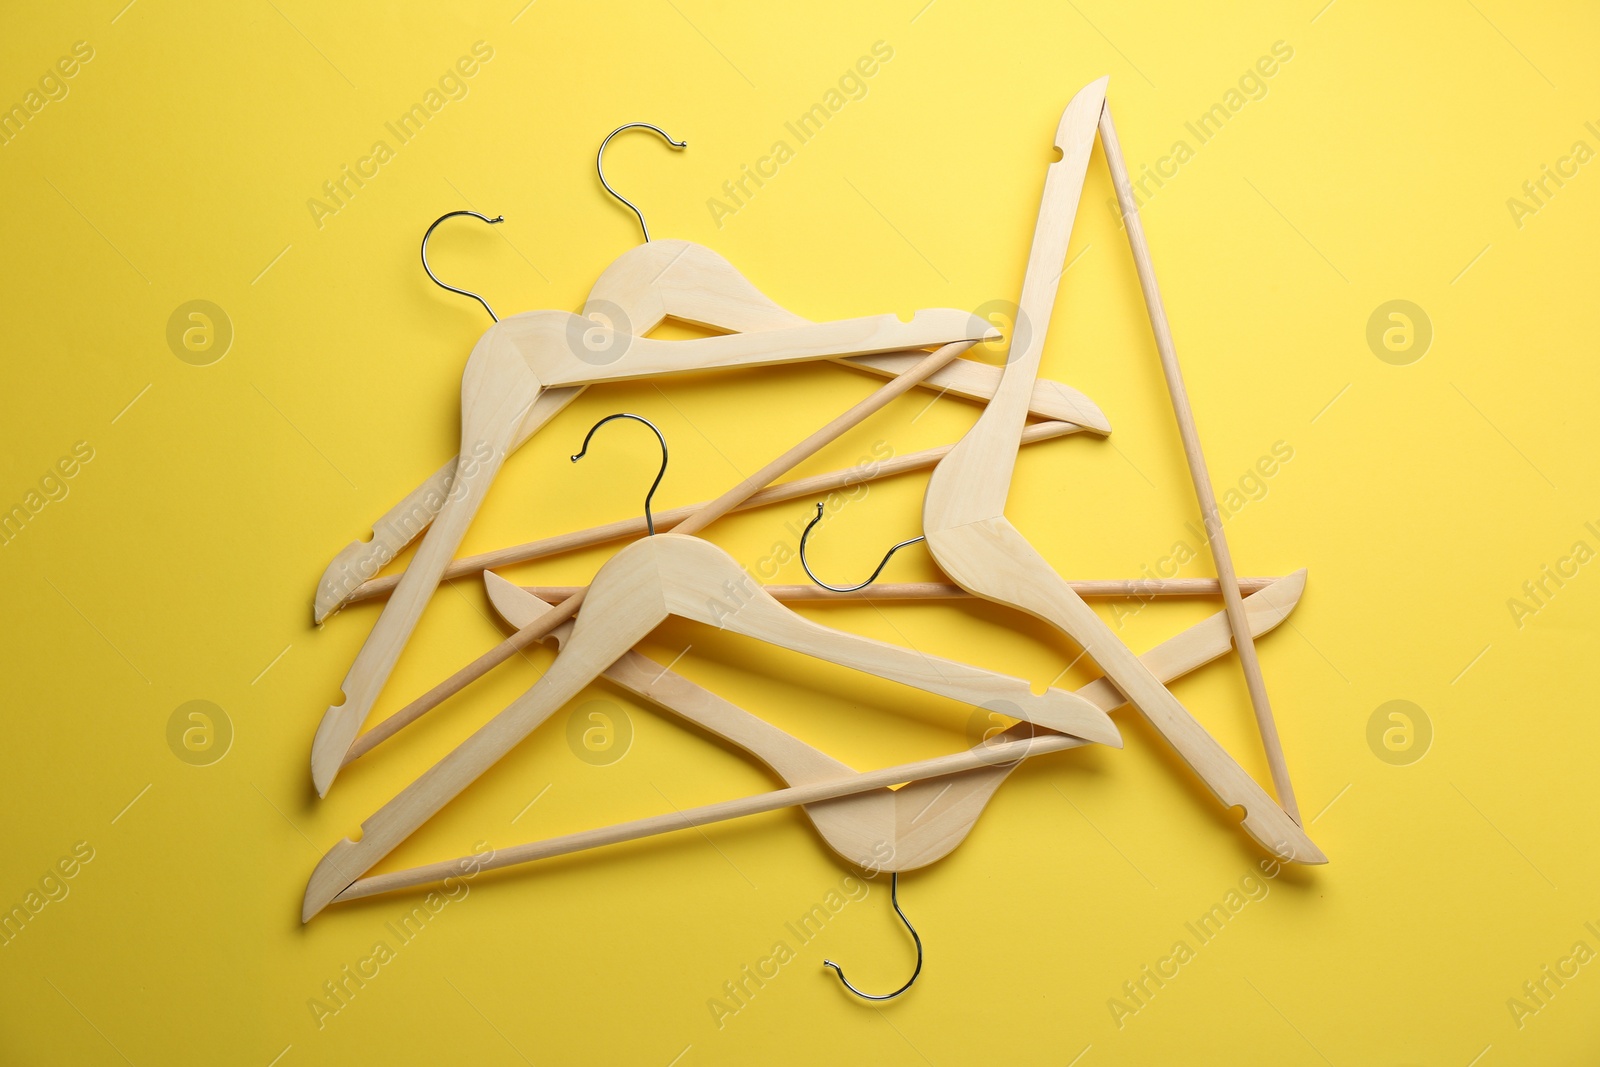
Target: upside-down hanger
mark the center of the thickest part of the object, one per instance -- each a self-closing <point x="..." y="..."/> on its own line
<point x="516" y="360"/>
<point x="672" y="575"/>
<point x="973" y="542"/>
<point x="639" y="290"/>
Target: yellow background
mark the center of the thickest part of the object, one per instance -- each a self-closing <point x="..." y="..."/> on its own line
<point x="182" y="562"/>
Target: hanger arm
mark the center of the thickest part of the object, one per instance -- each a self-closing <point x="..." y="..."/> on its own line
<point x="495" y="394"/>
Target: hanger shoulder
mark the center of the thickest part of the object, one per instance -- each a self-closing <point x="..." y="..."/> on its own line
<point x="360" y="561"/>
<point x="689" y="282"/>
<point x="630" y="605"/>
<point x="496" y="391"/>
<point x="972" y="482"/>
<point x="703" y="583"/>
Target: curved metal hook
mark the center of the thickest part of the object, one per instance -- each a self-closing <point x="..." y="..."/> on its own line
<point x="435" y="277"/>
<point x="649" y="520"/>
<point x="894" y="897"/>
<point x="806" y="534"/>
<point x="599" y="166"/>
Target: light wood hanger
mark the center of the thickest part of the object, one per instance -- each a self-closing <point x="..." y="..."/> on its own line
<point x="378" y="588"/>
<point x="510" y="366"/>
<point x="855" y="813"/>
<point x="634" y="592"/>
<point x="973" y="542"/>
<point x="1101" y="588"/>
<point x="640" y="290"/>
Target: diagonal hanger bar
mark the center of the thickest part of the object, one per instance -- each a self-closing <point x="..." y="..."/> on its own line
<point x="707" y="514"/>
<point x="1216" y="536"/>
<point x="377" y="588"/>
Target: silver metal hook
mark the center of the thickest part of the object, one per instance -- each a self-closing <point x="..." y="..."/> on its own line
<point x="649" y="520"/>
<point x="599" y="166"/>
<point x="806" y="534"/>
<point x="894" y="897"/>
<point x="435" y="277"/>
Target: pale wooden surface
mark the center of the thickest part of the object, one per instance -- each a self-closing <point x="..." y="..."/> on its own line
<point x="969" y="536"/>
<point x="920" y="822"/>
<point x="510" y="364"/>
<point x="1103" y="588"/>
<point x="649" y="284"/>
<point x="378" y="588"/>
<point x="1216" y="536"/>
<point x="633" y="593"/>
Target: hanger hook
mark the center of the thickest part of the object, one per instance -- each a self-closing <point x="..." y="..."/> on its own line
<point x="599" y="166"/>
<point x="649" y="520"/>
<point x="806" y="534"/>
<point x="435" y="277"/>
<point x="894" y="897"/>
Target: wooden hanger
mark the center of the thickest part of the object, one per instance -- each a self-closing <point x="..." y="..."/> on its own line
<point x="923" y="821"/>
<point x="510" y="366"/>
<point x="856" y="813"/>
<point x="644" y="287"/>
<point x="634" y="592"/>
<point x="970" y="537"/>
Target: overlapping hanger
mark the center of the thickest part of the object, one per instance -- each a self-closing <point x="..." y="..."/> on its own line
<point x="857" y="814"/>
<point x="641" y="289"/>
